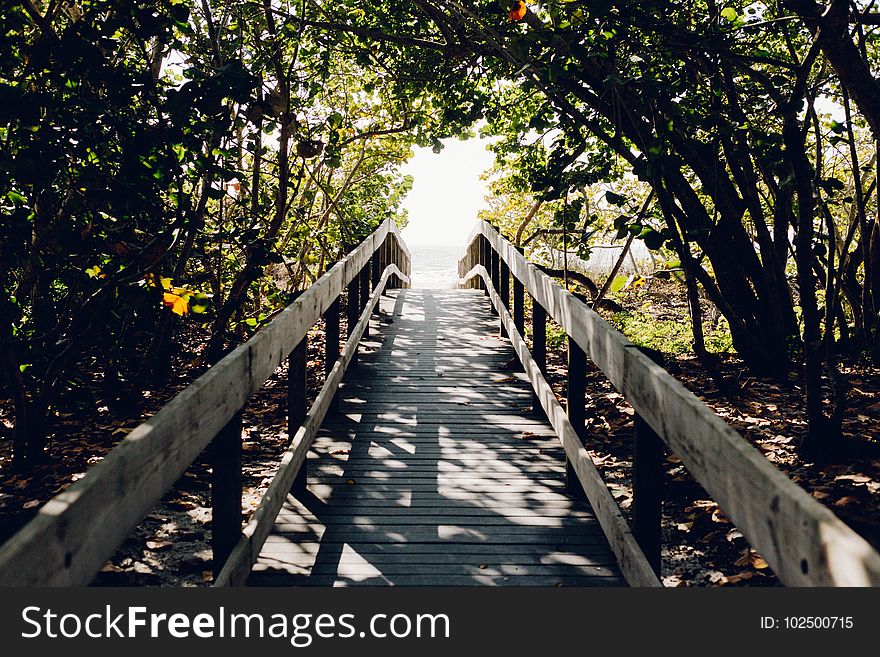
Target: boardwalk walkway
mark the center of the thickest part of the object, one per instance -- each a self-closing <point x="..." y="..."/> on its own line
<point x="435" y="471"/>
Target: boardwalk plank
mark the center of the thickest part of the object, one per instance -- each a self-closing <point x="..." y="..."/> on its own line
<point x="435" y="472"/>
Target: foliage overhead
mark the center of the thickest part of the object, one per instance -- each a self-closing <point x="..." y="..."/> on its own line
<point x="188" y="165"/>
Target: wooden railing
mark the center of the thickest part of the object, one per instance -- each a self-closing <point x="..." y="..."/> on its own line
<point x="804" y="542"/>
<point x="75" y="533"/>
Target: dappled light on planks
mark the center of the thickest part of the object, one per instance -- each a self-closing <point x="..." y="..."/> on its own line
<point x="436" y="471"/>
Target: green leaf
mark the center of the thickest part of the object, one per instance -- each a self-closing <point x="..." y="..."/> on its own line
<point x="615" y="199"/>
<point x="831" y="185"/>
<point x="729" y="14"/>
<point x="15" y="197"/>
<point x="617" y="284"/>
<point x="653" y="239"/>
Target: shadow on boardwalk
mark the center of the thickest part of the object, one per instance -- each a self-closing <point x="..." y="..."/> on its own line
<point x="435" y="471"/>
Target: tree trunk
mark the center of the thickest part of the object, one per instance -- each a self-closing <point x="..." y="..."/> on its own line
<point x="816" y="440"/>
<point x="830" y="26"/>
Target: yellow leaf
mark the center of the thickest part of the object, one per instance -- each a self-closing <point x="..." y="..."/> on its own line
<point x="158" y="281"/>
<point x="177" y="304"/>
<point x="758" y="561"/>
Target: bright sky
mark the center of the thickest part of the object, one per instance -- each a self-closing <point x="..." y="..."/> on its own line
<point x="447" y="192"/>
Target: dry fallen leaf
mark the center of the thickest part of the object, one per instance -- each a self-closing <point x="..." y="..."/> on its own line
<point x="751" y="558"/>
<point x="736" y="579"/>
<point x="718" y="516"/>
<point x="159" y="544"/>
<point x="855" y="478"/>
<point x="31" y="504"/>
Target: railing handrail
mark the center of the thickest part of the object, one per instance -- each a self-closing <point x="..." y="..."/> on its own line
<point x="75" y="532"/>
<point x="803" y="541"/>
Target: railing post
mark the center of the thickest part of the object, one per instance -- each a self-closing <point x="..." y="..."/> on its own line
<point x="495" y="274"/>
<point x="383" y="261"/>
<point x="648" y="474"/>
<point x="577" y="390"/>
<point x="407" y="267"/>
<point x="479" y="261"/>
<point x="519" y="301"/>
<point x="376" y="268"/>
<point x="487" y="261"/>
<point x="503" y="291"/>
<point x="364" y="296"/>
<point x="351" y="310"/>
<point x="392" y="260"/>
<point x="478" y="283"/>
<point x="297" y="387"/>
<point x="225" y="491"/>
<point x="331" y="343"/>
<point x="386" y="260"/>
<point x="539" y="347"/>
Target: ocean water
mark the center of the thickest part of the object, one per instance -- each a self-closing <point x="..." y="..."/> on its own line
<point x="435" y="267"/>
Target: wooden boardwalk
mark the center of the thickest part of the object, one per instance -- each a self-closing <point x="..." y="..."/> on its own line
<point x="435" y="471"/>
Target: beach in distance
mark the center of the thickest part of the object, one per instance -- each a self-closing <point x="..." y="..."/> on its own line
<point x="435" y="267"/>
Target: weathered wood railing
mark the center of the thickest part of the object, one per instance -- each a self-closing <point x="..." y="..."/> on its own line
<point x="75" y="533"/>
<point x="803" y="541"/>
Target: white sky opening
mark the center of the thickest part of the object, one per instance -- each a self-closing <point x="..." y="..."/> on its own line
<point x="447" y="192"/>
